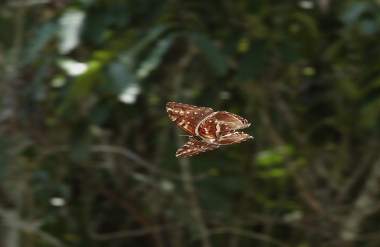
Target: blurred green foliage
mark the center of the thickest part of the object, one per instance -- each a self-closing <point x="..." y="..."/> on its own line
<point x="87" y="149"/>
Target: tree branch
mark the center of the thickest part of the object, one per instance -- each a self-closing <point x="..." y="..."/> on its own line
<point x="11" y="219"/>
<point x="366" y="204"/>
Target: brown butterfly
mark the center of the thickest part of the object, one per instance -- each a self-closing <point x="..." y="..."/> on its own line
<point x="208" y="129"/>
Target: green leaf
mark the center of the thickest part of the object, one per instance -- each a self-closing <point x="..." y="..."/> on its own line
<point x="273" y="173"/>
<point x="129" y="57"/>
<point x="120" y="76"/>
<point x="368" y="26"/>
<point x="213" y="56"/>
<point x="120" y="13"/>
<point x="85" y="82"/>
<point x="123" y="82"/>
<point x="39" y="40"/>
<point x="308" y="30"/>
<point x="354" y="11"/>
<point x="69" y="27"/>
<point x="155" y="57"/>
<point x="266" y="158"/>
<point x="38" y="88"/>
<point x="275" y="156"/>
<point x="101" y="17"/>
<point x="95" y="25"/>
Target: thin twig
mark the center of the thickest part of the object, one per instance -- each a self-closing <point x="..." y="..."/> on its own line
<point x="135" y="157"/>
<point x="131" y="233"/>
<point x="185" y="165"/>
<point x="359" y="171"/>
<point x="256" y="218"/>
<point x="117" y="150"/>
<point x="246" y="233"/>
<point x="193" y="202"/>
<point x="365" y="204"/>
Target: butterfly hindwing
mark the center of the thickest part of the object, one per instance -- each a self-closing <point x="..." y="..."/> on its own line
<point x="231" y="138"/>
<point x="194" y="147"/>
<point x="209" y="128"/>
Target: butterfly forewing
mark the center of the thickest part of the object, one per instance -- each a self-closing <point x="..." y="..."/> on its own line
<point x="194" y="147"/>
<point x="186" y="116"/>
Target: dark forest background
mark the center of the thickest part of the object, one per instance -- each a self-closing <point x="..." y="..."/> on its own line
<point x="87" y="151"/>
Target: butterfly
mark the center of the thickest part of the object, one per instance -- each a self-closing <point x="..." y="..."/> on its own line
<point x="208" y="129"/>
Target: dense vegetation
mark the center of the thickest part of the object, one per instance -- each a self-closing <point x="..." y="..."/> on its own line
<point x="87" y="149"/>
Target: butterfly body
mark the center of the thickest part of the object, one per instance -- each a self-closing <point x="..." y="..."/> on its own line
<point x="208" y="129"/>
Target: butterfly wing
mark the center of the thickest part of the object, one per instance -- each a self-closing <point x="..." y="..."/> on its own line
<point x="187" y="117"/>
<point x="228" y="121"/>
<point x="221" y="123"/>
<point x="208" y="129"/>
<point x="193" y="147"/>
<point x="231" y="138"/>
